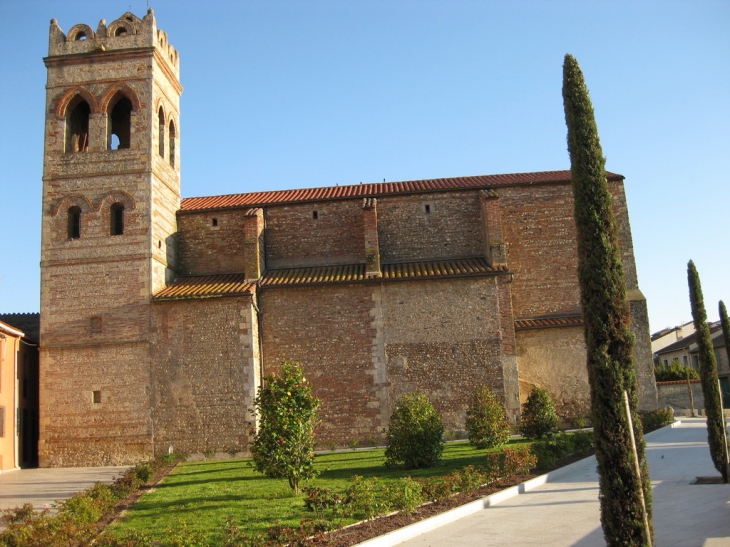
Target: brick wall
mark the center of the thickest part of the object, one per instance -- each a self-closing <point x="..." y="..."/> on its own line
<point x="363" y="346"/>
<point x="452" y="227"/>
<point x="211" y="242"/>
<point x="76" y="431"/>
<point x="295" y="238"/>
<point x="204" y="374"/>
<point x="329" y="331"/>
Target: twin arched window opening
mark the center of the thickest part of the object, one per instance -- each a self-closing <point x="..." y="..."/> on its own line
<point x="172" y="135"/>
<point x="116" y="221"/>
<point x="119" y="125"/>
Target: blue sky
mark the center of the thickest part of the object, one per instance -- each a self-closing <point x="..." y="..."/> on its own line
<point x="291" y="94"/>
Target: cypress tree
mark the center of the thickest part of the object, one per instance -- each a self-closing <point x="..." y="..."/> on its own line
<point x="725" y="329"/>
<point x="606" y="318"/>
<point x="708" y="374"/>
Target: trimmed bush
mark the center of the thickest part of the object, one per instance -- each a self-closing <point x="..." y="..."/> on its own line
<point x="486" y="420"/>
<point x="656" y="419"/>
<point x="415" y="435"/>
<point x="538" y="415"/>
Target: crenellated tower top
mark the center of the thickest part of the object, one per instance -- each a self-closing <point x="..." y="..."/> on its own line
<point x="128" y="31"/>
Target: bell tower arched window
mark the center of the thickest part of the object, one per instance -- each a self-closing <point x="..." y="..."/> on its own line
<point x="77" y="126"/>
<point x="74" y="223"/>
<point x="161" y="117"/>
<point x="173" y="136"/>
<point x="120" y="119"/>
<point x="116" y="218"/>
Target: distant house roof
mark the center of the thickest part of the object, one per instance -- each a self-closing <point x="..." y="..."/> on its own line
<point x="10" y="330"/>
<point x="686" y="342"/>
<point x="717" y="342"/>
<point x="29" y="323"/>
<point x="260" y="199"/>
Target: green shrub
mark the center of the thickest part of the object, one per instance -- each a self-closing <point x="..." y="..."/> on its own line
<point x="405" y="495"/>
<point x="674" y="371"/>
<point x="469" y="478"/>
<point x="656" y="419"/>
<point x="283" y="446"/>
<point x="128" y="538"/>
<point x="415" y="435"/>
<point x="517" y="460"/>
<point x="550" y="450"/>
<point x="486" y="420"/>
<point x="437" y="488"/>
<point x="538" y="415"/>
<point x="365" y="497"/>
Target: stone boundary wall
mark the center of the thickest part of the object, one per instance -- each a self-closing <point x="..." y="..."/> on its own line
<point x="674" y="394"/>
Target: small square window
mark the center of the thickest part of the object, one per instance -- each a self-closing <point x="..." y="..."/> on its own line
<point x="96" y="397"/>
<point x="96" y="324"/>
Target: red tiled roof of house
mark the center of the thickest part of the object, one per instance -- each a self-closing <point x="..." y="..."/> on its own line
<point x="356" y="272"/>
<point x="546" y="322"/>
<point x="205" y="286"/>
<point x="259" y="199"/>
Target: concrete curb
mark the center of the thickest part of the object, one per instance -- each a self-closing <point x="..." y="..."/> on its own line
<point x="417" y="528"/>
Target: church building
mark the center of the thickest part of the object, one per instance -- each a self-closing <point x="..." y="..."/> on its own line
<point x="160" y="315"/>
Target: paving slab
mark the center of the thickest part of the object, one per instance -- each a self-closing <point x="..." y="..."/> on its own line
<point x="43" y="487"/>
<point x="565" y="511"/>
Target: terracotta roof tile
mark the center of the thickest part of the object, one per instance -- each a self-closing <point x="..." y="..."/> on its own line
<point x="548" y="322"/>
<point x="260" y="199"/>
<point x="356" y="272"/>
<point x="205" y="286"/>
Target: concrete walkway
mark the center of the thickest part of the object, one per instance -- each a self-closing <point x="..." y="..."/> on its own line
<point x="565" y="511"/>
<point x="44" y="486"/>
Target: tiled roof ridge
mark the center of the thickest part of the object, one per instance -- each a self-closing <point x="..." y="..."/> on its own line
<point x="374" y="189"/>
<point x="351" y="273"/>
<point x="205" y="286"/>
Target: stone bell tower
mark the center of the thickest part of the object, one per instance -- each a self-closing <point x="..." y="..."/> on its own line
<point x="111" y="188"/>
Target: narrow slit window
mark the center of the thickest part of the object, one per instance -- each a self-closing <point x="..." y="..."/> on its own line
<point x="121" y="124"/>
<point x="315" y="215"/>
<point x="77" y="126"/>
<point x="96" y="397"/>
<point x="427" y="209"/>
<point x="117" y="219"/>
<point x="161" y="117"/>
<point x="214" y="222"/>
<point x="74" y="223"/>
<point x="173" y="137"/>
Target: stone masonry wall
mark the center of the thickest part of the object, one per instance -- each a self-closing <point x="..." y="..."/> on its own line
<point x="76" y="430"/>
<point x="329" y="331"/>
<point x="430" y="226"/>
<point x="555" y="359"/>
<point x="211" y="242"/>
<point x="442" y="337"/>
<point x="204" y="374"/>
<point x="294" y="237"/>
<point x="363" y="346"/>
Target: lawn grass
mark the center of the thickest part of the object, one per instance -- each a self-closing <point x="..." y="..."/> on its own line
<point x="204" y="494"/>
